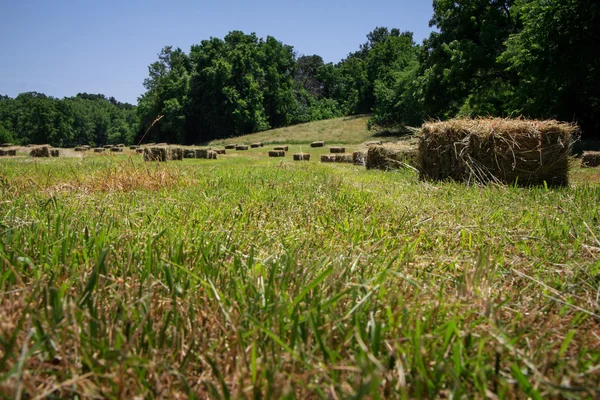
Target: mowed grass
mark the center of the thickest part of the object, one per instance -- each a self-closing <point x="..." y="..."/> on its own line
<point x="251" y="277"/>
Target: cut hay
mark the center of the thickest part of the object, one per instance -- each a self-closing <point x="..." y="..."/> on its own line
<point x="99" y="150"/>
<point x="499" y="150"/>
<point x="281" y="148"/>
<point x="155" y="154"/>
<point x="175" y="153"/>
<point x="343" y="158"/>
<point x="230" y="146"/>
<point x="241" y="147"/>
<point x="389" y="157"/>
<point x="11" y="152"/>
<point x="116" y="149"/>
<point x="40" y="151"/>
<point x="54" y="152"/>
<point x="220" y="151"/>
<point x="318" y="144"/>
<point x="337" y="149"/>
<point x="359" y="157"/>
<point x="301" y="157"/>
<point x="189" y="153"/>
<point x="590" y="159"/>
<point x="327" y="158"/>
<point x="276" y="153"/>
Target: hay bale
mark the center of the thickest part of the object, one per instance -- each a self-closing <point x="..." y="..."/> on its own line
<point x="139" y="151"/>
<point x="155" y="154"/>
<point x="116" y="149"/>
<point x="212" y="155"/>
<point x="241" y="147"/>
<point x="107" y="146"/>
<point x="54" y="153"/>
<point x="301" y="157"/>
<point x="175" y="153"/>
<point x="133" y="147"/>
<point x="3" y="153"/>
<point x="220" y="151"/>
<point x="230" y="146"/>
<point x="189" y="153"/>
<point x="359" y="157"/>
<point x="281" y="148"/>
<point x="318" y="144"/>
<point x="337" y="149"/>
<point x="6" y="145"/>
<point x="343" y="158"/>
<point x="500" y="150"/>
<point x="120" y="145"/>
<point x="276" y="153"/>
<point x="327" y="158"/>
<point x="201" y="153"/>
<point x="40" y="151"/>
<point x="78" y="148"/>
<point x="256" y="145"/>
<point x="99" y="150"/>
<point x="388" y="157"/>
<point x="590" y="159"/>
<point x="11" y="152"/>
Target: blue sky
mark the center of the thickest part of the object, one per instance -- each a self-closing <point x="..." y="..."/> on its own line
<point x="64" y="47"/>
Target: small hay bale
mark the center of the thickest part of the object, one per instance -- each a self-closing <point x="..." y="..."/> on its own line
<point x="54" y="153"/>
<point x="189" y="153"/>
<point x="500" y="150"/>
<point x="99" y="150"/>
<point x="256" y="145"/>
<point x="116" y="149"/>
<point x="40" y="151"/>
<point x="373" y="143"/>
<point x="6" y="145"/>
<point x="175" y="153"/>
<point x="337" y="149"/>
<point x="230" y="146"/>
<point x="212" y="155"/>
<point x="343" y="158"/>
<point x="11" y="152"/>
<point x="590" y="159"/>
<point x="107" y="146"/>
<point x="133" y="147"/>
<point x="139" y="151"/>
<point x="3" y="153"/>
<point x="389" y="157"/>
<point x="120" y="145"/>
<point x="276" y="153"/>
<point x="327" y="158"/>
<point x="78" y="148"/>
<point x="220" y="151"/>
<point x="281" y="148"/>
<point x="359" y="157"/>
<point x="155" y="154"/>
<point x="318" y="144"/>
<point x="241" y="147"/>
<point x="301" y="157"/>
<point x="201" y="153"/>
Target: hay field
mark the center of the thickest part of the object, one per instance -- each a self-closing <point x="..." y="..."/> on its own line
<point x="257" y="277"/>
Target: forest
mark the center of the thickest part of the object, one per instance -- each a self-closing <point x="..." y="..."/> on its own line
<point x="508" y="58"/>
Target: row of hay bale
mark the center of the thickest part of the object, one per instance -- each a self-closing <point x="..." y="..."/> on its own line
<point x="9" y="153"/>
<point x="43" y="151"/>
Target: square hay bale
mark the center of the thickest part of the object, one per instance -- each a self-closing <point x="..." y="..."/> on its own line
<point x="133" y="147"/>
<point x="301" y="157"/>
<point x="120" y="145"/>
<point x="281" y="148"/>
<point x="139" y="151"/>
<point x="389" y="157"/>
<point x="318" y="144"/>
<point x="241" y="147"/>
<point x="276" y="153"/>
<point x="11" y="152"/>
<point x="337" y="149"/>
<point x="175" y="153"/>
<point x="230" y="146"/>
<point x="40" y="151"/>
<point x="54" y="153"/>
<point x="327" y="158"/>
<point x="343" y="158"/>
<point x="201" y="153"/>
<point x="590" y="159"/>
<point x="116" y="149"/>
<point x="508" y="151"/>
<point x="256" y="145"/>
<point x="99" y="150"/>
<point x="6" y="145"/>
<point x="359" y="157"/>
<point x="155" y="154"/>
<point x="3" y="153"/>
<point x="107" y="146"/>
<point x="220" y="151"/>
<point x="189" y="153"/>
<point x="212" y="155"/>
<point x="78" y="148"/>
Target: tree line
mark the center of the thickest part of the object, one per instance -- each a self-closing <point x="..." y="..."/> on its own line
<point x="531" y="58"/>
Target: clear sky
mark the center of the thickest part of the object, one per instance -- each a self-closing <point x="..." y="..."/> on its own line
<point x="64" y="47"/>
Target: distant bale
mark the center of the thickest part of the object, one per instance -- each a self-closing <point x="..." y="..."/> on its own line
<point x="155" y="154"/>
<point x="301" y="157"/>
<point x="99" y="150"/>
<point x="500" y="150"/>
<point x="189" y="153"/>
<point x="201" y="153"/>
<point x="373" y="143"/>
<point x="120" y="145"/>
<point x="116" y="149"/>
<point x="241" y="147"/>
<point x="220" y="151"/>
<point x="230" y="146"/>
<point x="255" y="145"/>
<point x="389" y="157"/>
<point x="327" y="158"/>
<point x="590" y="159"/>
<point x="276" y="153"/>
<point x="6" y="145"/>
<point x="212" y="155"/>
<point x="139" y="151"/>
<point x="133" y="147"/>
<point x="337" y="149"/>
<point x="54" y="153"/>
<point x="3" y="153"/>
<point x="85" y="146"/>
<point x="317" y="144"/>
<point x="40" y="151"/>
<point x="11" y="152"/>
<point x="78" y="148"/>
<point x="281" y="148"/>
<point x="343" y="158"/>
<point x="359" y="157"/>
<point x="107" y="146"/>
<point x="175" y="153"/>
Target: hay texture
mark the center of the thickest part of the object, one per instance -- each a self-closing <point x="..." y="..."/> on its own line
<point x="317" y="144"/>
<point x="41" y="151"/>
<point x="499" y="150"/>
<point x="189" y="153"/>
<point x="359" y="157"/>
<point x="54" y="153"/>
<point x="175" y="153"/>
<point x="155" y="154"/>
<point x="590" y="159"/>
<point x="389" y="157"/>
<point x="276" y="153"/>
<point x="337" y="149"/>
<point x="301" y="157"/>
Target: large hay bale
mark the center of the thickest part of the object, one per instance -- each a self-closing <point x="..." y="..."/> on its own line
<point x="155" y="154"/>
<point x="337" y="149"/>
<point x="3" y="153"/>
<point x="40" y="151"/>
<point x="11" y="152"/>
<point x="388" y="157"/>
<point x="276" y="153"/>
<point x="241" y="147"/>
<point x="343" y="158"/>
<point x="327" y="158"/>
<point x="590" y="159"/>
<point x="54" y="152"/>
<point x="201" y="153"/>
<point x="99" y="150"/>
<point x="175" y="153"/>
<point x="281" y="148"/>
<point x="116" y="149"/>
<point x="230" y="146"/>
<point x="189" y="153"/>
<point x="500" y="150"/>
<point x="220" y="151"/>
<point x="359" y="157"/>
<point x="317" y="144"/>
<point x="301" y="157"/>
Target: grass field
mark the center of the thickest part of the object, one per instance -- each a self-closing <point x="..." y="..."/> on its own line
<point x="251" y="277"/>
